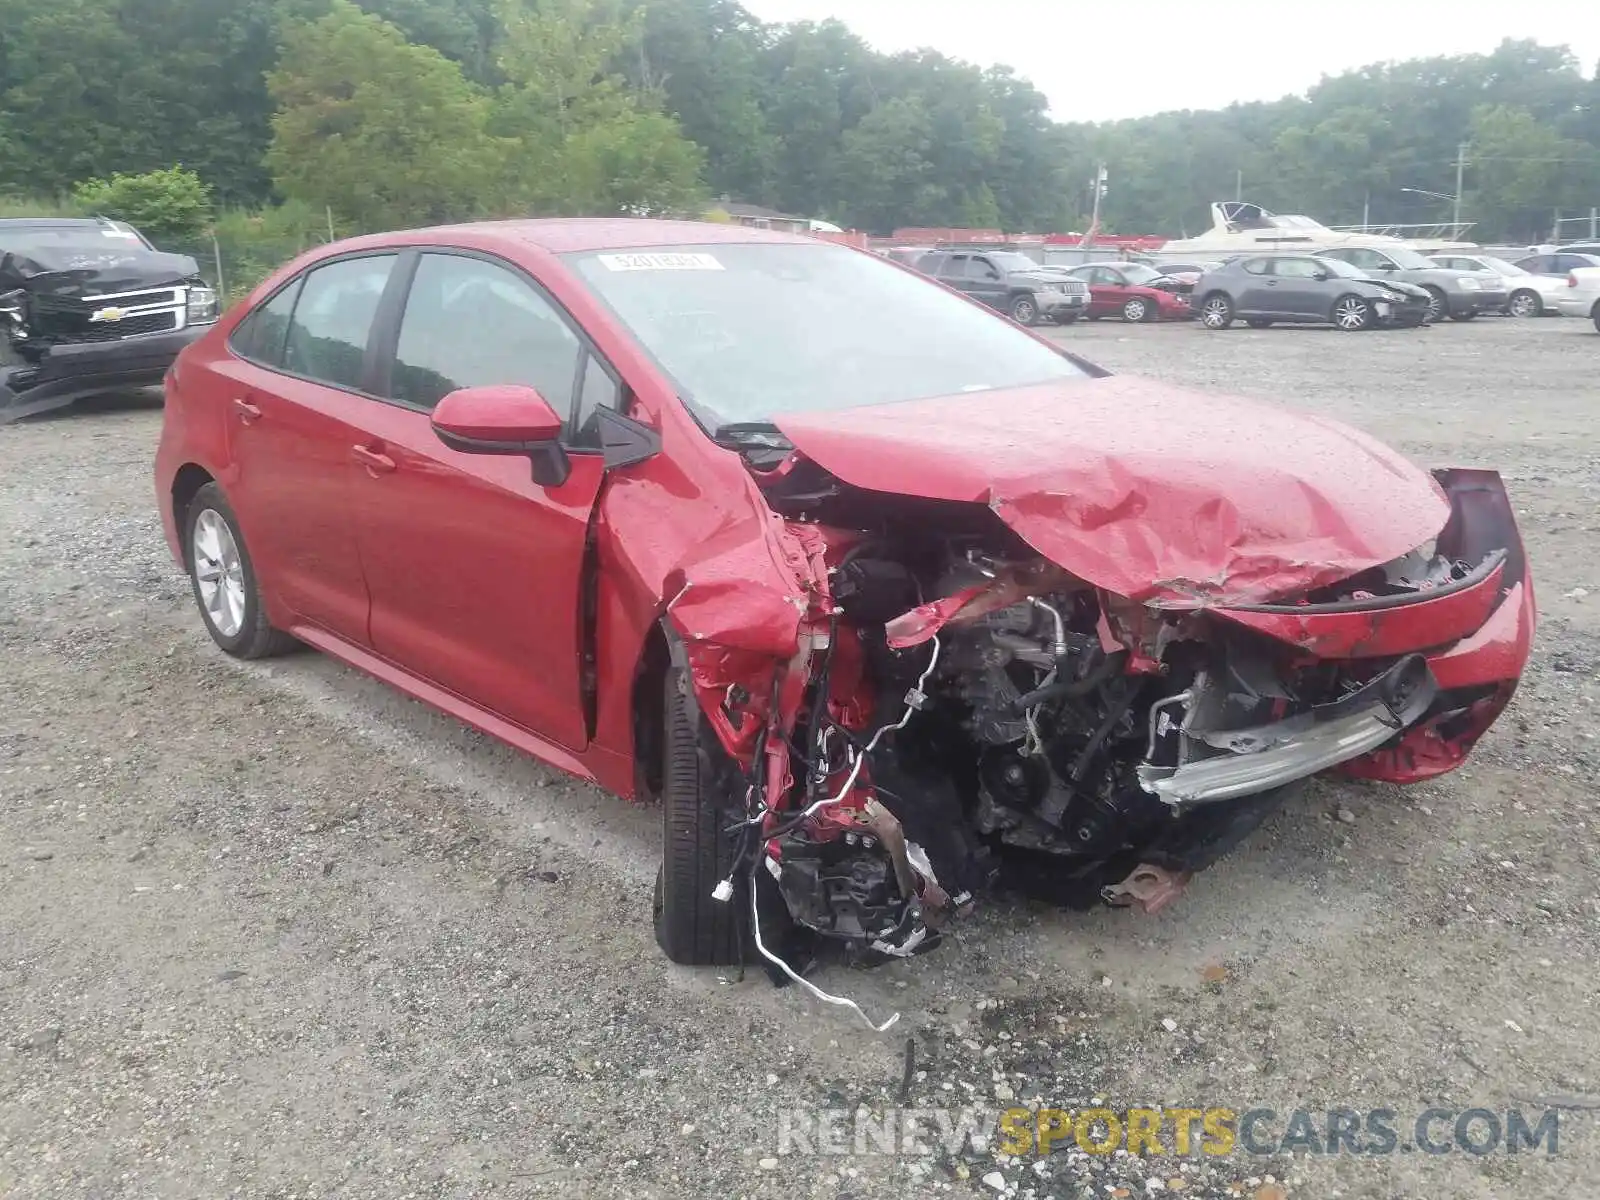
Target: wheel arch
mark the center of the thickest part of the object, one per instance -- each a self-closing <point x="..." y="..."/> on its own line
<point x="186" y="484"/>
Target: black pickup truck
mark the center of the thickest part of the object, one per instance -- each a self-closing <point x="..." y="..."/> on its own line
<point x="89" y="306"/>
<point x="1011" y="282"/>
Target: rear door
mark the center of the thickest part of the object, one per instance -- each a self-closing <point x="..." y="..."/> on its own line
<point x="296" y="385"/>
<point x="475" y="571"/>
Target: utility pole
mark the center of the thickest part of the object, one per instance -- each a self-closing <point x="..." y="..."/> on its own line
<point x="1099" y="190"/>
<point x="1461" y="168"/>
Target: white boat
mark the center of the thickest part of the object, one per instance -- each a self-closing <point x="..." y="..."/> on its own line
<point x="1238" y="227"/>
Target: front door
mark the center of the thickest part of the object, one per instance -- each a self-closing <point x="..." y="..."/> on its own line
<point x="1297" y="291"/>
<point x="475" y="571"/>
<point x="294" y="410"/>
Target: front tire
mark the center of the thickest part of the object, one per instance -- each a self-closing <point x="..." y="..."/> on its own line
<point x="1137" y="309"/>
<point x="1025" y="310"/>
<point x="223" y="578"/>
<point x="1351" y="314"/>
<point x="1438" y="306"/>
<point x="1525" y="303"/>
<point x="1216" y="312"/>
<point x="697" y="779"/>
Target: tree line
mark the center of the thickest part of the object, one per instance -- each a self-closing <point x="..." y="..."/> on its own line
<point x="392" y="112"/>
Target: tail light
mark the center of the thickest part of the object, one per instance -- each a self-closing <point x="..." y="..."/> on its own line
<point x="1572" y="279"/>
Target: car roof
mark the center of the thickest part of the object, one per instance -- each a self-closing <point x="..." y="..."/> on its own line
<point x="564" y="235"/>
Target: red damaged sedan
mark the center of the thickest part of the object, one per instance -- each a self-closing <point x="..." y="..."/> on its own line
<point x="883" y="598"/>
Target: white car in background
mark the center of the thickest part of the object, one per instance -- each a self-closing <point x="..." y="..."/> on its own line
<point x="1528" y="295"/>
<point x="1582" y="295"/>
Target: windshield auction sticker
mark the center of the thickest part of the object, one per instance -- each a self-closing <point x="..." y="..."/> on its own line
<point x="660" y="262"/>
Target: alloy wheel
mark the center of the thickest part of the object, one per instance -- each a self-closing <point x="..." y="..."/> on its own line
<point x="1350" y="313"/>
<point x="218" y="573"/>
<point x="1215" y="313"/>
<point x="1525" y="304"/>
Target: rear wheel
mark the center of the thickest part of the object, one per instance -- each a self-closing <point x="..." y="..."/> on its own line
<point x="1258" y="322"/>
<point x="1594" y="315"/>
<point x="1217" y="311"/>
<point x="1025" y="310"/>
<point x="1525" y="303"/>
<point x="1351" y="313"/>
<point x="699" y="790"/>
<point x="224" y="581"/>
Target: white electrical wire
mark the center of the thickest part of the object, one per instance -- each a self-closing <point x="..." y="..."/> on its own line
<point x="855" y="767"/>
<point x="825" y="997"/>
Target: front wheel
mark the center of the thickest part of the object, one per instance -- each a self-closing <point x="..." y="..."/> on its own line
<point x="1438" y="306"/>
<point x="1351" y="313"/>
<point x="700" y="787"/>
<point x="1524" y="303"/>
<point x="223" y="577"/>
<point x="1025" y="310"/>
<point x="1217" y="311"/>
<point x="1136" y="308"/>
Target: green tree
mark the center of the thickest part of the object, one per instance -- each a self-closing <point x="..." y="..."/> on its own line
<point x="383" y="132"/>
<point x="173" y="204"/>
<point x="587" y="141"/>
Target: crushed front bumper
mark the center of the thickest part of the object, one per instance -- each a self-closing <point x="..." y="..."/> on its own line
<point x="1262" y="757"/>
<point x="71" y="371"/>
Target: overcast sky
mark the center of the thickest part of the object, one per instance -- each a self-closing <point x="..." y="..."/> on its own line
<point x="1127" y="58"/>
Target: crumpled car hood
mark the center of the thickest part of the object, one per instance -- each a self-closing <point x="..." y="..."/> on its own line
<point x="1150" y="491"/>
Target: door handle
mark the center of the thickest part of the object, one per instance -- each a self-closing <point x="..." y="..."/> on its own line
<point x="248" y="412"/>
<point x="378" y="464"/>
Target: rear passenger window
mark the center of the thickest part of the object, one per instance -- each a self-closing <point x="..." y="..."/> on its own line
<point x="1259" y="266"/>
<point x="328" y="337"/>
<point x="260" y="336"/>
<point x="469" y="323"/>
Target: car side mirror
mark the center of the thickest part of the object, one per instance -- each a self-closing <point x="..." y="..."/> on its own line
<point x="505" y="419"/>
<point x="1388" y="266"/>
<point x="1322" y="275"/>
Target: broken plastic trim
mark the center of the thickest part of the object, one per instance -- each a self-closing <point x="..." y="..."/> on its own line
<point x="1269" y="756"/>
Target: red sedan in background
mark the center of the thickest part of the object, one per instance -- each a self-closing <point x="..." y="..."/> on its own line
<point x="881" y="596"/>
<point x="1133" y="291"/>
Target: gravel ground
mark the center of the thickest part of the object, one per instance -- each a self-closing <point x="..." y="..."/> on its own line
<point x="275" y="931"/>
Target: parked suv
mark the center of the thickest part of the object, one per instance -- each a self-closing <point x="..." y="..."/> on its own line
<point x="1011" y="282"/>
<point x="1459" y="295"/>
<point x="89" y="306"/>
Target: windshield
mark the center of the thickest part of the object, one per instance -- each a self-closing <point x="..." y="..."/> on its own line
<point x="750" y="331"/>
<point x="87" y="233"/>
<point x="1138" y="272"/>
<point x="1010" y="260"/>
<point x="1343" y="270"/>
<point x="1410" y="260"/>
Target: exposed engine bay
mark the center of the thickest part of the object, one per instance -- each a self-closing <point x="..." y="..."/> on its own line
<point x="964" y="713"/>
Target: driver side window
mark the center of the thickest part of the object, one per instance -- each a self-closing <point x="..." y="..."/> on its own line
<point x="468" y="323"/>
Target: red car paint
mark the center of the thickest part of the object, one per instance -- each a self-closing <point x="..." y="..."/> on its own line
<point x="1146" y="490"/>
<point x="528" y="611"/>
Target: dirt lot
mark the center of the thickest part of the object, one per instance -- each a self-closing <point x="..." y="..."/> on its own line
<point x="273" y="931"/>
